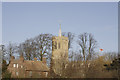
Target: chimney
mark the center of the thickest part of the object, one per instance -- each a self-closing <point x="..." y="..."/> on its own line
<point x="12" y="58"/>
<point x="44" y="60"/>
<point x="21" y="58"/>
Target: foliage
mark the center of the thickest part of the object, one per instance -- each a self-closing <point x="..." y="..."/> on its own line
<point x="5" y="72"/>
<point x="87" y="69"/>
<point x="114" y="66"/>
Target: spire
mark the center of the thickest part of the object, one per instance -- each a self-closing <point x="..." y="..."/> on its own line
<point x="60" y="31"/>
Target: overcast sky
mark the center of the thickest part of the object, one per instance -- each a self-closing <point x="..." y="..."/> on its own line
<point x="27" y="20"/>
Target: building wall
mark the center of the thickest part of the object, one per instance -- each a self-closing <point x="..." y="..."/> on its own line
<point x="18" y="70"/>
<point x="35" y="74"/>
<point x="16" y="67"/>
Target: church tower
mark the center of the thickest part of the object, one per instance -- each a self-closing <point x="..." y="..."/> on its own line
<point x="59" y="52"/>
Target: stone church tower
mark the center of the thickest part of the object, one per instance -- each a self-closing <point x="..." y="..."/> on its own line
<point x="59" y="52"/>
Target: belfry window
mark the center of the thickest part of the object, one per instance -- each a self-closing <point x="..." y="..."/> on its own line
<point x="55" y="45"/>
<point x="59" y="45"/>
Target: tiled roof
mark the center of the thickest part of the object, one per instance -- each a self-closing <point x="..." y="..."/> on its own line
<point x="15" y="61"/>
<point x="35" y="65"/>
<point x="31" y="65"/>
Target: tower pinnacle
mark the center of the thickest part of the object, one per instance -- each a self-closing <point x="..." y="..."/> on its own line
<point x="60" y="31"/>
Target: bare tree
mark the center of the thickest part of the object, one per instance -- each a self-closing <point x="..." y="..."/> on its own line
<point x="70" y="42"/>
<point x="3" y="51"/>
<point x="110" y="55"/>
<point x="70" y="38"/>
<point x="10" y="50"/>
<point x="82" y="40"/>
<point x="44" y="44"/>
<point x="92" y="45"/>
<point x="87" y="45"/>
<point x="20" y="49"/>
<point x="37" y="47"/>
<point x="27" y="49"/>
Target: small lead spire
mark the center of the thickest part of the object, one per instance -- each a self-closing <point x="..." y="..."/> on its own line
<point x="60" y="31"/>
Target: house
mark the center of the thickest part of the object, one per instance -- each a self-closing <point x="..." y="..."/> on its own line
<point x="21" y="68"/>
